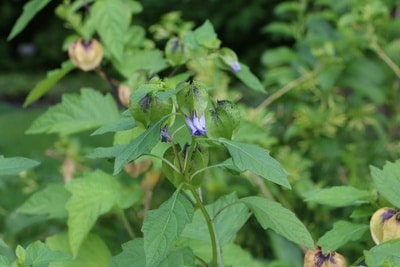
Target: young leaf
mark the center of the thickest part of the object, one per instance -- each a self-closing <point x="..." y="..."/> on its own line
<point x="39" y="254"/>
<point x="50" y="200"/>
<point x="387" y="252"/>
<point x="163" y="226"/>
<point x="15" y="165"/>
<point x="338" y="196"/>
<point x="132" y="254"/>
<point x="249" y="79"/>
<point x="141" y="145"/>
<point x="77" y="113"/>
<point x="111" y="19"/>
<point x="257" y="160"/>
<point x="94" y="194"/>
<point x="45" y="85"/>
<point x="93" y="252"/>
<point x="342" y="233"/>
<point x="272" y="215"/>
<point x="31" y="8"/>
<point x="387" y="181"/>
<point x="206" y="36"/>
<point x="227" y="220"/>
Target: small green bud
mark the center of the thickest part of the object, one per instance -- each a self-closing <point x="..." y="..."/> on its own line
<point x="175" y="52"/>
<point x="193" y="99"/>
<point x="222" y="120"/>
<point x="229" y="59"/>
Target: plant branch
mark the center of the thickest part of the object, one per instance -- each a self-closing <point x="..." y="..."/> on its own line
<point x="382" y="55"/>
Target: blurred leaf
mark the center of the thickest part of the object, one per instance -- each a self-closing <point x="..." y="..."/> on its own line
<point x="272" y="215"/>
<point x="252" y="158"/>
<point x="15" y="165"/>
<point x="31" y="8"/>
<point x="39" y="254"/>
<point x="50" y="201"/>
<point x="93" y="252"/>
<point x="45" y="85"/>
<point x="285" y="251"/>
<point x="338" y="196"/>
<point x="206" y="36"/>
<point x="341" y="234"/>
<point x="387" y="181"/>
<point x="77" y="113"/>
<point x="143" y="144"/>
<point x="278" y="56"/>
<point x="280" y="29"/>
<point x="92" y="195"/>
<point x="163" y="226"/>
<point x="4" y="262"/>
<point x="112" y="19"/>
<point x="124" y="123"/>
<point x="228" y="219"/>
<point x="249" y="79"/>
<point x="384" y="253"/>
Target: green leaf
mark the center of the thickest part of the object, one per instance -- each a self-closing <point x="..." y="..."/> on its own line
<point x="272" y="215"/>
<point x="93" y="195"/>
<point x="228" y="219"/>
<point x="4" y="262"/>
<point x="338" y="196"/>
<point x="31" y="8"/>
<point x="45" y="85"/>
<point x="77" y="113"/>
<point x="141" y="145"/>
<point x="342" y="233"/>
<point x="132" y="254"/>
<point x="124" y="123"/>
<point x="50" y="200"/>
<point x="387" y="181"/>
<point x="106" y="152"/>
<point x="206" y="36"/>
<point x="112" y="19"/>
<point x="93" y="252"/>
<point x="278" y="56"/>
<point x="163" y="226"/>
<point x="15" y="165"/>
<point x="257" y="160"/>
<point x="39" y="254"/>
<point x="180" y="257"/>
<point x="387" y="252"/>
<point x="249" y="79"/>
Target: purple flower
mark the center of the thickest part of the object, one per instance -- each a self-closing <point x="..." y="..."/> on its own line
<point x="236" y="67"/>
<point x="196" y="124"/>
<point x="165" y="137"/>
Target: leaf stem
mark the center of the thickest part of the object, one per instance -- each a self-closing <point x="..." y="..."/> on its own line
<point x="209" y="225"/>
<point x="125" y="223"/>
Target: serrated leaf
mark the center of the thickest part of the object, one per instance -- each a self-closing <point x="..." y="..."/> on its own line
<point x="77" y="113"/>
<point x="247" y="157"/>
<point x="206" y="36"/>
<point x="132" y="254"/>
<point x="39" y="254"/>
<point x="50" y="201"/>
<point x="31" y="8"/>
<point x="179" y="257"/>
<point x="228" y="219"/>
<point x="272" y="215"/>
<point x="249" y="79"/>
<point x="387" y="181"/>
<point x="342" y="233"/>
<point x="111" y="20"/>
<point x="51" y="79"/>
<point x="338" y="196"/>
<point x="139" y="146"/>
<point x="163" y="226"/>
<point x="15" y="165"/>
<point x="93" y="252"/>
<point x="124" y="123"/>
<point x="387" y="252"/>
<point x="92" y="195"/>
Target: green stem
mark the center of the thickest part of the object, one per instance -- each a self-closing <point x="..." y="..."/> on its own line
<point x="382" y="55"/>
<point x="126" y="224"/>
<point x="209" y="225"/>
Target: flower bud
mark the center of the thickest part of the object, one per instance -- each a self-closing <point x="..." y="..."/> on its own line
<point x="315" y="258"/>
<point x="86" y="55"/>
<point x="377" y="221"/>
<point x="193" y="99"/>
<point x="175" y="52"/>
<point x="223" y="119"/>
<point x="391" y="228"/>
<point x="123" y="95"/>
<point x="229" y="59"/>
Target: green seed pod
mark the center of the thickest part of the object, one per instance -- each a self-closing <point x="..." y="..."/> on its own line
<point x="198" y="161"/>
<point x="391" y="228"/>
<point x="175" y="52"/>
<point x="377" y="221"/>
<point x="175" y="177"/>
<point x="150" y="109"/>
<point x="193" y="99"/>
<point x="223" y="120"/>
